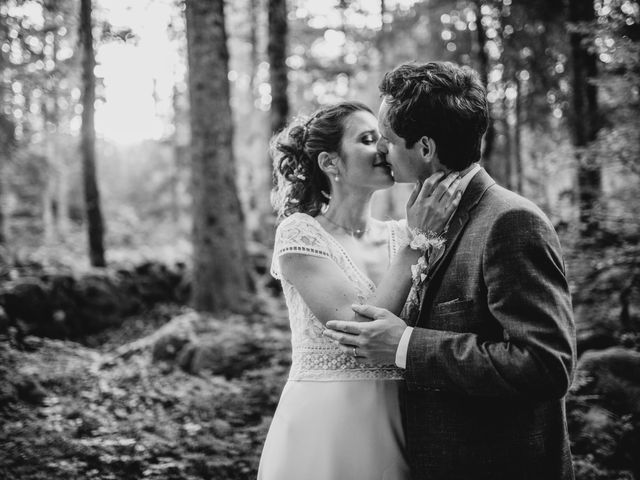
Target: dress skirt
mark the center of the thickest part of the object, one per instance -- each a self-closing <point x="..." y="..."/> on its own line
<point x="336" y="430"/>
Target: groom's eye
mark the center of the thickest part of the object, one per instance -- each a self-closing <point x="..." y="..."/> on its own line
<point x="369" y="139"/>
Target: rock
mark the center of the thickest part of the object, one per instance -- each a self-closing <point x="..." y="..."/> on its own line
<point x="595" y="339"/>
<point x="199" y="343"/>
<point x="100" y="303"/>
<point x="169" y="347"/>
<point x="8" y="393"/>
<point x="5" y="323"/>
<point x="156" y="283"/>
<point x="61" y="305"/>
<point x="30" y="390"/>
<point x="615" y="374"/>
<point x="27" y="305"/>
<point x="229" y="352"/>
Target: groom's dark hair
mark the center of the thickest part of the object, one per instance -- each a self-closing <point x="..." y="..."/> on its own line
<point x="442" y="101"/>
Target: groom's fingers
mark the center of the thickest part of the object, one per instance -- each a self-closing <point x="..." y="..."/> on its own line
<point x="450" y="192"/>
<point x="343" y="338"/>
<point x="369" y="311"/>
<point x="430" y="184"/>
<point x="443" y="187"/>
<point x="353" y="328"/>
<point x="454" y="204"/>
<point x="360" y="354"/>
<point x="414" y="194"/>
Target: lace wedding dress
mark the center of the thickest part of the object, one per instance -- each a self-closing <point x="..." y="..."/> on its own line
<point x="336" y="419"/>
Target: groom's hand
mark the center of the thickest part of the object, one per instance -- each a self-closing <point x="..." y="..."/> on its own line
<point x="375" y="341"/>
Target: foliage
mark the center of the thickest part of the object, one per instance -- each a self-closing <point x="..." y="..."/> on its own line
<point x="97" y="415"/>
<point x="69" y="411"/>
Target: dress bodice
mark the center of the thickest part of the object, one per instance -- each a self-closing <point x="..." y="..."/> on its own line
<point x="315" y="357"/>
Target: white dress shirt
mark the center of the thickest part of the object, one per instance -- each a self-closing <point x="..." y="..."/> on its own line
<point x="403" y="346"/>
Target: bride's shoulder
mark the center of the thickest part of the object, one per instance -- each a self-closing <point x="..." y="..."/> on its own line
<point x="297" y="219"/>
<point x="298" y="225"/>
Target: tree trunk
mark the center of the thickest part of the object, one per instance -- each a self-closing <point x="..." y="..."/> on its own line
<point x="219" y="253"/>
<point x="253" y="40"/>
<point x="6" y="147"/>
<point x="177" y="156"/>
<point x="585" y="120"/>
<point x="277" y="51"/>
<point x="483" y="69"/>
<point x="279" y="111"/>
<point x="88" y="140"/>
<point x="55" y="201"/>
<point x="517" y="138"/>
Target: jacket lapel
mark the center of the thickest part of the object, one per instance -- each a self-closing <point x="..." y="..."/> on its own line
<point x="471" y="197"/>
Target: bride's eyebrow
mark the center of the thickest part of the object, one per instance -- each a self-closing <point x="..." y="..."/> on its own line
<point x="372" y="131"/>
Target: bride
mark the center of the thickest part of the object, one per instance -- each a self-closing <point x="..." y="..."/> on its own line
<point x="338" y="418"/>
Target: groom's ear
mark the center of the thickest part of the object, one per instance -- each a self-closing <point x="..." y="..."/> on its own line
<point x="328" y="163"/>
<point x="427" y="148"/>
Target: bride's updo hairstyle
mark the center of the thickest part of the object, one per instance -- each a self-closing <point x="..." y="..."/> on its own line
<point x="299" y="183"/>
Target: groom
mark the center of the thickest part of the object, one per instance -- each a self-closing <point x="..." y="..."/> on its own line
<point x="489" y="358"/>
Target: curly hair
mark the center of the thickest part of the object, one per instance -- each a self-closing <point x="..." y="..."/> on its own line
<point x="299" y="183"/>
<point x="442" y="101"/>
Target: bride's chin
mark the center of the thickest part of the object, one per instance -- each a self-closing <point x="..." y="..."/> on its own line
<point x="389" y="182"/>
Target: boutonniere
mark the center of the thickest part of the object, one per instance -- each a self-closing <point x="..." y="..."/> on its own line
<point x="432" y="247"/>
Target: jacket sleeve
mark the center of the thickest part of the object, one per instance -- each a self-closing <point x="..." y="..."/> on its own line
<point x="527" y="294"/>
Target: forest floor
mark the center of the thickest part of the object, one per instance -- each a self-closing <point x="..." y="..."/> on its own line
<point x="69" y="411"/>
<point x="117" y="406"/>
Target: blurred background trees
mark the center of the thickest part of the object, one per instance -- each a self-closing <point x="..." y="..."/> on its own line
<point x="187" y="97"/>
<point x="562" y="81"/>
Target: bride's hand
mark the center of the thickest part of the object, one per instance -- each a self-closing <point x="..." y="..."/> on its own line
<point x="432" y="204"/>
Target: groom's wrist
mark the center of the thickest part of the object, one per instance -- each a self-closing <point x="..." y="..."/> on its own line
<point x="403" y="347"/>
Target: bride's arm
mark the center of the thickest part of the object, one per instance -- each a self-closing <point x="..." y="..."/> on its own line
<point x="329" y="293"/>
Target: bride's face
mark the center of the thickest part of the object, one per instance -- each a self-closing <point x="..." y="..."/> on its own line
<point x="361" y="165"/>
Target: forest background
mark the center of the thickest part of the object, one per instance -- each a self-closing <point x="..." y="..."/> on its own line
<point x="141" y="334"/>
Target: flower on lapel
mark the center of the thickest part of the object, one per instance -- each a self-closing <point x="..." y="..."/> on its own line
<point x="432" y="247"/>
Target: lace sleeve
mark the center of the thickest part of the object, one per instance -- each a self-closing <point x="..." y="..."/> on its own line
<point x="399" y="236"/>
<point x="298" y="233"/>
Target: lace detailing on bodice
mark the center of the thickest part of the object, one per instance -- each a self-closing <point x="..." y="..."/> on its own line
<point x="314" y="356"/>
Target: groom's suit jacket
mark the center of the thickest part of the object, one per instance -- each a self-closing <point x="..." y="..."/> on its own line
<point x="492" y="353"/>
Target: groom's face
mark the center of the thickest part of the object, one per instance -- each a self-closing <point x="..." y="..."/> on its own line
<point x="408" y="164"/>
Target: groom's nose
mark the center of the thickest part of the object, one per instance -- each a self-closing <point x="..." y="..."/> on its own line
<point x="381" y="146"/>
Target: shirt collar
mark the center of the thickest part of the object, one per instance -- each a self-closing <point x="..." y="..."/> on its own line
<point x="466" y="179"/>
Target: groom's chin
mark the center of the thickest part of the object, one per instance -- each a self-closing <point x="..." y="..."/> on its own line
<point x="401" y="179"/>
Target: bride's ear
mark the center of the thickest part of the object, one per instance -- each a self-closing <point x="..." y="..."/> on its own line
<point x="328" y="163"/>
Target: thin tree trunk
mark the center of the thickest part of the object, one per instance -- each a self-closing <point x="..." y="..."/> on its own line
<point x="585" y="119"/>
<point x="219" y="254"/>
<point x="60" y="162"/>
<point x="253" y="39"/>
<point x="279" y="111"/>
<point x="55" y="203"/>
<point x="48" y="190"/>
<point x="177" y="156"/>
<point x="277" y="51"/>
<point x="382" y="44"/>
<point x="483" y="69"/>
<point x="7" y="137"/>
<point x="88" y="140"/>
<point x="507" y="170"/>
<point x="6" y="147"/>
<point x="517" y="137"/>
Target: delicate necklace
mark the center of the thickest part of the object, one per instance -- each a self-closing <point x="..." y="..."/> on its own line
<point x="357" y="232"/>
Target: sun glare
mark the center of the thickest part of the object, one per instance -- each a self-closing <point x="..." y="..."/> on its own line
<point x="138" y="76"/>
